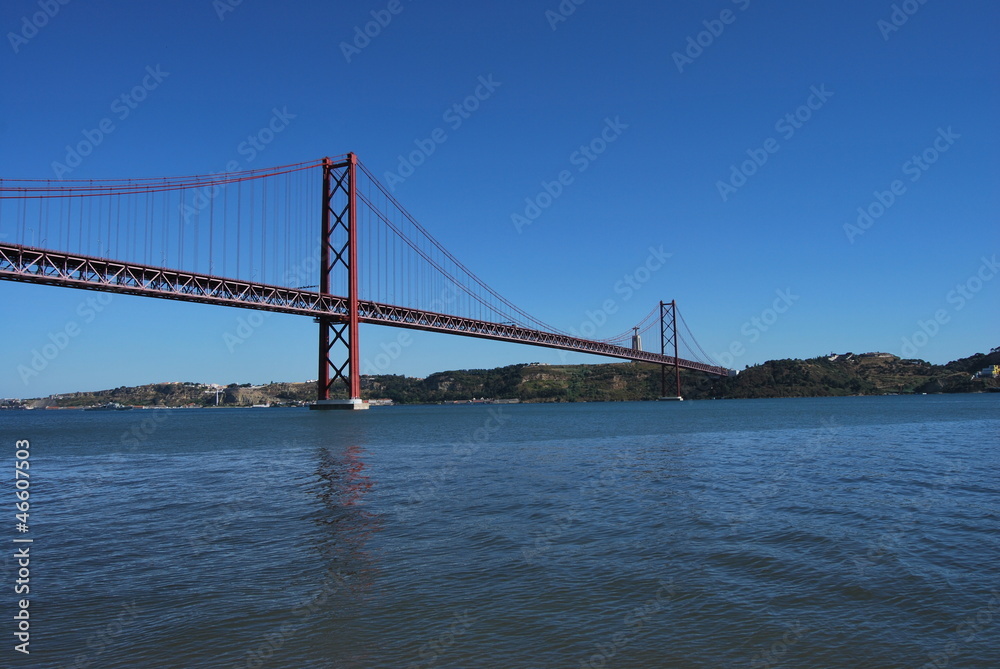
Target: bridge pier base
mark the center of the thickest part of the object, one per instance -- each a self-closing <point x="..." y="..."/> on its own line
<point x="342" y="405"/>
<point x="669" y="399"/>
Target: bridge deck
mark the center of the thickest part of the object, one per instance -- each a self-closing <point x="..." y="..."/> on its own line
<point x="34" y="265"/>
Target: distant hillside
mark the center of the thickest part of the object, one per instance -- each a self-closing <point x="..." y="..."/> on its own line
<point x="188" y="394"/>
<point x="866" y="374"/>
<point x="976" y="362"/>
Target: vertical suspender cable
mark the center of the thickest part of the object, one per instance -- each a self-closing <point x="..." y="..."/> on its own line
<point x="252" y="212"/>
<point x="263" y="231"/>
<point x="239" y="208"/>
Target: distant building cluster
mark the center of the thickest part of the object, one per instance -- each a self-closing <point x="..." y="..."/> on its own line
<point x="991" y="372"/>
<point x="833" y="357"/>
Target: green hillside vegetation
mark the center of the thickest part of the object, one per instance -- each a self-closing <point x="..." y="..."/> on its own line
<point x="869" y="374"/>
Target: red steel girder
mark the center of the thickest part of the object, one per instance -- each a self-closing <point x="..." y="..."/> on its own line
<point x="41" y="266"/>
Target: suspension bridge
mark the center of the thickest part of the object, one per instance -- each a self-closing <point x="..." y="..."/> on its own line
<point x="262" y="239"/>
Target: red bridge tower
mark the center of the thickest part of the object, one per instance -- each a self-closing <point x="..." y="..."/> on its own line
<point x="339" y="252"/>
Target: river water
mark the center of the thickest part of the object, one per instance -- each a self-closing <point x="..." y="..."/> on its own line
<point x="833" y="532"/>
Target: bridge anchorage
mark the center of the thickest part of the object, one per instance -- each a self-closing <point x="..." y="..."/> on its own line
<point x="248" y="240"/>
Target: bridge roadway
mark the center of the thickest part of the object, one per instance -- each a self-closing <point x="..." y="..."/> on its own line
<point x="33" y="265"/>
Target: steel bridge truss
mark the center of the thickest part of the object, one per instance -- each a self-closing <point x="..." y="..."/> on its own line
<point x="41" y="266"/>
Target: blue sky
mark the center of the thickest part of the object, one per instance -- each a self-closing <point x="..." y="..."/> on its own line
<point x="870" y="90"/>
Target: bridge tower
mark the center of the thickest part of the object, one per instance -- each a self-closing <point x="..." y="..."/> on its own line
<point x="339" y="252"/>
<point x="668" y="310"/>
